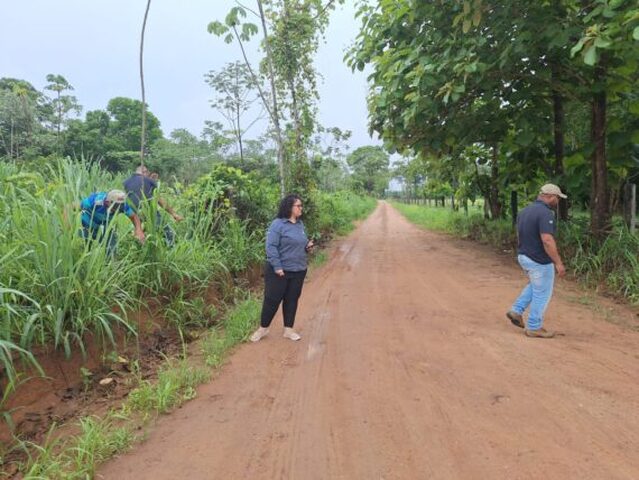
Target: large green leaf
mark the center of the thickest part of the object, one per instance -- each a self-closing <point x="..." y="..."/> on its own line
<point x="590" y="55"/>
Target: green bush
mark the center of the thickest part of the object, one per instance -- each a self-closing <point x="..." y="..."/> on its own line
<point x="337" y="211"/>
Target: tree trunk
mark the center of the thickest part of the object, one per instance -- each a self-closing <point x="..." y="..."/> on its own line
<point x="513" y="207"/>
<point x="495" y="202"/>
<point x="629" y="199"/>
<point x="558" y="120"/>
<point x="143" y="134"/>
<point x="11" y="139"/>
<point x="599" y="201"/>
<point x="59" y="124"/>
<point x="275" y="116"/>
<point x="239" y="135"/>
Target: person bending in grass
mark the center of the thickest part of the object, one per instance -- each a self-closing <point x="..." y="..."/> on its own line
<point x="98" y="209"/>
<point x="287" y="247"/>
<point x="141" y="187"/>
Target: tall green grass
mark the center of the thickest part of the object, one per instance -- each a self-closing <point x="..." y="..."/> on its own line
<point x="337" y="211"/>
<point x="57" y="290"/>
<point x="72" y="284"/>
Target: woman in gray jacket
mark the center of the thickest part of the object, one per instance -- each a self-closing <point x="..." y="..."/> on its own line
<point x="287" y="247"/>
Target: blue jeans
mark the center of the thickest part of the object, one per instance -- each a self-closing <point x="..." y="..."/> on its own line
<point x="160" y="223"/>
<point x="169" y="234"/>
<point x="101" y="235"/>
<point x="537" y="293"/>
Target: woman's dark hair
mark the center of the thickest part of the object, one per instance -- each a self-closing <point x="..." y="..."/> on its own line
<point x="286" y="206"/>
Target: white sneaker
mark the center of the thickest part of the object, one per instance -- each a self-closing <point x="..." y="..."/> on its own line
<point x="291" y="334"/>
<point x="258" y="334"/>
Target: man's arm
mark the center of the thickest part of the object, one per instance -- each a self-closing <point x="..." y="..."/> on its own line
<point x="164" y="204"/>
<point x="553" y="252"/>
<point x="137" y="224"/>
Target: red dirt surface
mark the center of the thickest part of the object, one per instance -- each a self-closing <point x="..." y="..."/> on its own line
<point x="408" y="369"/>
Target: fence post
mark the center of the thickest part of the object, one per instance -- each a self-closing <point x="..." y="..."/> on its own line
<point x="513" y="206"/>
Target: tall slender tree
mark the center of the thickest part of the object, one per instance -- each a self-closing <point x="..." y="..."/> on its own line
<point x="143" y="134"/>
<point x="61" y="104"/>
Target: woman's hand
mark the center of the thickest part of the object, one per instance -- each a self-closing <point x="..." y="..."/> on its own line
<point x="279" y="272"/>
<point x="309" y="245"/>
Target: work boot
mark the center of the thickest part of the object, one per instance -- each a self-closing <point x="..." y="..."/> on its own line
<point x="541" y="333"/>
<point x="291" y="334"/>
<point x="516" y="319"/>
<point x="258" y="334"/>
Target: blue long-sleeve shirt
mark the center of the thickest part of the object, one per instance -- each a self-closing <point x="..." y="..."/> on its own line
<point x="96" y="214"/>
<point x="286" y="245"/>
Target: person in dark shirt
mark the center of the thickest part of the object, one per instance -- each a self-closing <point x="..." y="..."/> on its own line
<point x="539" y="257"/>
<point x="286" y="252"/>
<point x="140" y="187"/>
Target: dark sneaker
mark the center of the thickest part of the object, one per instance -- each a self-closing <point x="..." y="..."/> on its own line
<point x="516" y="319"/>
<point x="541" y="333"/>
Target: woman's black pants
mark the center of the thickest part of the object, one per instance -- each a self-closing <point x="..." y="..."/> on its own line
<point x="285" y="290"/>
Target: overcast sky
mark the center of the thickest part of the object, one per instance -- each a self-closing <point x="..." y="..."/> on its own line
<point x="94" y="45"/>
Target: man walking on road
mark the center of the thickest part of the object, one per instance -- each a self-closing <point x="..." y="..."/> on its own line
<point x="539" y="257"/>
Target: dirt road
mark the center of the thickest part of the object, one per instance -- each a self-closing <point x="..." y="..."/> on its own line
<point x="408" y="369"/>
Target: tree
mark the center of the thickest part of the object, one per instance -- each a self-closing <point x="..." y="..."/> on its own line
<point x="235" y="96"/>
<point x="609" y="47"/>
<point x="143" y="137"/>
<point x="291" y="31"/>
<point x="112" y="135"/>
<point x="231" y="30"/>
<point x="126" y="123"/>
<point x="22" y="114"/>
<point x="61" y="104"/>
<point x="370" y="169"/>
<point x="90" y="138"/>
<point x="328" y="161"/>
<point x="182" y="155"/>
<point x="497" y="75"/>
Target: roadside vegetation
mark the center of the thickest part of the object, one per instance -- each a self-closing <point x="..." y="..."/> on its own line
<point x="487" y="101"/>
<point x="60" y="292"/>
<point x="611" y="266"/>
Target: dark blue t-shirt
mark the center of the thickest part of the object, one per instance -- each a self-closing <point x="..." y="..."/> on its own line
<point x="532" y="221"/>
<point x="138" y="188"/>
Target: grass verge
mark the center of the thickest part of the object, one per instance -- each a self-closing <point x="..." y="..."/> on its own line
<point x="99" y="438"/>
<point x="610" y="266"/>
